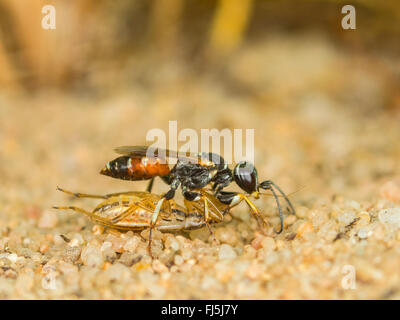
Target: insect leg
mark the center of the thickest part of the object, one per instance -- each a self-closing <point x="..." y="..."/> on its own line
<point x="82" y="195"/>
<point x="150" y="185"/>
<point x="94" y="196"/>
<point x="254" y="210"/>
<point x="234" y="198"/>
<point x="207" y="218"/>
<point x="124" y="214"/>
<point x="216" y="214"/>
<point x="153" y="222"/>
<point x="95" y="218"/>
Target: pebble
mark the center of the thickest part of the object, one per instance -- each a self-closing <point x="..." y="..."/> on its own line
<point x="268" y="244"/>
<point x="178" y="260"/>
<point x="77" y="240"/>
<point x="106" y="245"/>
<point x="12" y="257"/>
<point x="256" y="243"/>
<point x="24" y="283"/>
<point x="347" y="217"/>
<point x="157" y="235"/>
<point x="67" y="268"/>
<point x="256" y="271"/>
<point x="92" y="256"/>
<point x="202" y="234"/>
<point x="71" y="253"/>
<point x="129" y="258"/>
<point x="186" y="254"/>
<point x="290" y="220"/>
<point x="10" y="273"/>
<point x="227" y="235"/>
<point x="167" y="257"/>
<point x="355" y="205"/>
<point x="48" y="220"/>
<point x="98" y="229"/>
<point x="363" y="233"/>
<point x="249" y="252"/>
<point x="58" y="240"/>
<point x="226" y="252"/>
<point x="159" y="267"/>
<point x="26" y="242"/>
<point x="132" y="243"/>
<point x="224" y="271"/>
<point x="172" y="243"/>
<point x="390" y="191"/>
<point x="109" y="254"/>
<point x="301" y="212"/>
<point x="304" y="228"/>
<point x="118" y="272"/>
<point x="117" y="242"/>
<point x="390" y="217"/>
<point x="364" y="217"/>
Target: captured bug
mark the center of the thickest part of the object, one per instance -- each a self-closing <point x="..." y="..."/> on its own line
<point x="134" y="211"/>
<point x="193" y="172"/>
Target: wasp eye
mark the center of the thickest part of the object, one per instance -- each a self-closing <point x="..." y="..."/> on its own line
<point x="245" y="175"/>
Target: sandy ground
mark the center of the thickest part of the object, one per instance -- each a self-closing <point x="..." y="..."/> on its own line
<point x="322" y="127"/>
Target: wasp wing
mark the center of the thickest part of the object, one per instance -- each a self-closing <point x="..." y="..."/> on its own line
<point x="157" y="153"/>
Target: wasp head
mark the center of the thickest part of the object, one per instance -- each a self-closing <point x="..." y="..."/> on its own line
<point x="246" y="177"/>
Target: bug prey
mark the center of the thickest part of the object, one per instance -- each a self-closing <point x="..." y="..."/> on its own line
<point x="134" y="211"/>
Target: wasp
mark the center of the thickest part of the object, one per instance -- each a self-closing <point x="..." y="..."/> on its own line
<point x="134" y="211"/>
<point x="193" y="172"/>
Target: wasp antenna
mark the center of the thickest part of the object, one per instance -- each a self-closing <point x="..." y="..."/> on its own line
<point x="269" y="185"/>
<point x="279" y="209"/>
<point x="288" y="195"/>
<point x="284" y="196"/>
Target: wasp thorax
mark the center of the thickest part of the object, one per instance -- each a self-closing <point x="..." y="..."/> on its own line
<point x="245" y="175"/>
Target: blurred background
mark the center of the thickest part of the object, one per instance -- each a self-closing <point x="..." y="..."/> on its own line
<point x="324" y="102"/>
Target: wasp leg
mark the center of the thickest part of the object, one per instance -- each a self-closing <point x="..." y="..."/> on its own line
<point x="234" y="198"/>
<point x="217" y="215"/>
<point x="150" y="185"/>
<point x="255" y="211"/>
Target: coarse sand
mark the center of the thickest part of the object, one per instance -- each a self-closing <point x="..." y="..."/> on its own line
<point x="324" y="137"/>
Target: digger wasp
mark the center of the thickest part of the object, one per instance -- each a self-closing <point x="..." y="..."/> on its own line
<point x="193" y="172"/>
